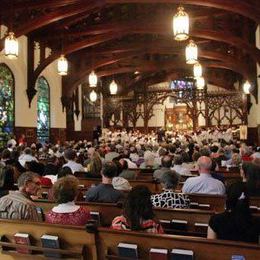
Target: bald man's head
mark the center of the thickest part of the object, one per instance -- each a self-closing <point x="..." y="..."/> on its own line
<point x="204" y="164"/>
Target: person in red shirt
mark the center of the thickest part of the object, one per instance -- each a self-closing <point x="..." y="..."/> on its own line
<point x="67" y="212"/>
<point x="138" y="213"/>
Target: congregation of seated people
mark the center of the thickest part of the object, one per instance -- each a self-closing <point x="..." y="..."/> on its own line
<point x="180" y="166"/>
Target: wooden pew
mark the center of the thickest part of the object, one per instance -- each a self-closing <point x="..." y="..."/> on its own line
<point x="108" y="211"/>
<point x="153" y="185"/>
<point x="215" y="202"/>
<point x="75" y="242"/>
<point x="197" y="220"/>
<point x="204" y="249"/>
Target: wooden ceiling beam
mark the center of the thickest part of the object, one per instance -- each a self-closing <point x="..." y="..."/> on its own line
<point x="61" y="13"/>
<point x="151" y="66"/>
<point x="162" y="29"/>
<point x="74" y="47"/>
<point x="32" y="4"/>
<point x="240" y="7"/>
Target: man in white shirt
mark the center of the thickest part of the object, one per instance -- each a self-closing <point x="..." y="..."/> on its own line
<point x="26" y="156"/>
<point x="70" y="156"/>
<point x="204" y="183"/>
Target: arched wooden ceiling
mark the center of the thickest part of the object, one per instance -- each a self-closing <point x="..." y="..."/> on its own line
<point x="119" y="37"/>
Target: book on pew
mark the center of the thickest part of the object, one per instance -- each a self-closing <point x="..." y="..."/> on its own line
<point x="49" y="241"/>
<point x="194" y="205"/>
<point x="166" y="224"/>
<point x="127" y="250"/>
<point x="95" y="215"/>
<point x="158" y="254"/>
<point x="23" y="239"/>
<point x="179" y="224"/>
<point x="201" y="227"/>
<point x="40" y="213"/>
<point x="181" y="254"/>
<point x="204" y="206"/>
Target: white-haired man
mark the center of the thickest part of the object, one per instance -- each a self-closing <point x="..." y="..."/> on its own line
<point x="204" y="183"/>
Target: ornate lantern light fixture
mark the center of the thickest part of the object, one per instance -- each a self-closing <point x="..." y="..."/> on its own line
<point x="200" y="83"/>
<point x="92" y="79"/>
<point x="113" y="88"/>
<point x="247" y="87"/>
<point x="93" y="96"/>
<point x="197" y="70"/>
<point x="191" y="53"/>
<point x="181" y="25"/>
<point x="11" y="46"/>
<point x="62" y="65"/>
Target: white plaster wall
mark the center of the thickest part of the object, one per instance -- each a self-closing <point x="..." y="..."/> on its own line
<point x="25" y="116"/>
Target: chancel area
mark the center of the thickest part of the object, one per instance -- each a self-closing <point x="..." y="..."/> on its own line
<point x="129" y="129"/>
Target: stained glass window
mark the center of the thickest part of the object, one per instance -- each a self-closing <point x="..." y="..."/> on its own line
<point x="43" y="110"/>
<point x="6" y="102"/>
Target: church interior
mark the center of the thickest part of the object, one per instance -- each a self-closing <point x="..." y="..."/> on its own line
<point x="110" y="76"/>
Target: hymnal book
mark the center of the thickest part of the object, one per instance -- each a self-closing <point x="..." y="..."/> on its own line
<point x="50" y="242"/>
<point x="166" y="224"/>
<point x="158" y="254"/>
<point x="201" y="227"/>
<point x="23" y="239"/>
<point x="181" y="254"/>
<point x="127" y="250"/>
<point x="194" y="205"/>
<point x="95" y="215"/>
<point x="179" y="224"/>
<point x="40" y="213"/>
<point x="204" y="206"/>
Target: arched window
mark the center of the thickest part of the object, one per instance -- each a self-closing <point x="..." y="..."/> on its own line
<point x="6" y="101"/>
<point x="43" y="110"/>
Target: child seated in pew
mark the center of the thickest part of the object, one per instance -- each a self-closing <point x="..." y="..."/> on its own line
<point x="169" y="198"/>
<point x="236" y="223"/>
<point x="66" y="212"/>
<point x="138" y="213"/>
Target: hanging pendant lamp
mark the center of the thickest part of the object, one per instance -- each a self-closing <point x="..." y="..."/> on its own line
<point x="181" y="25"/>
<point x="11" y="46"/>
<point x="62" y="66"/>
<point x="197" y="70"/>
<point x="92" y="79"/>
<point x="113" y="88"/>
<point x="191" y="53"/>
<point x="93" y="96"/>
<point x="200" y="83"/>
<point x="246" y="87"/>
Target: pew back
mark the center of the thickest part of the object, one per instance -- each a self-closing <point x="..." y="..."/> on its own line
<point x="75" y="241"/>
<point x="203" y="249"/>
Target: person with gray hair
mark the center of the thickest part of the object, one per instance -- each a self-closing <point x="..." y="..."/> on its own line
<point x="204" y="183"/>
<point x="169" y="198"/>
<point x="18" y="204"/>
